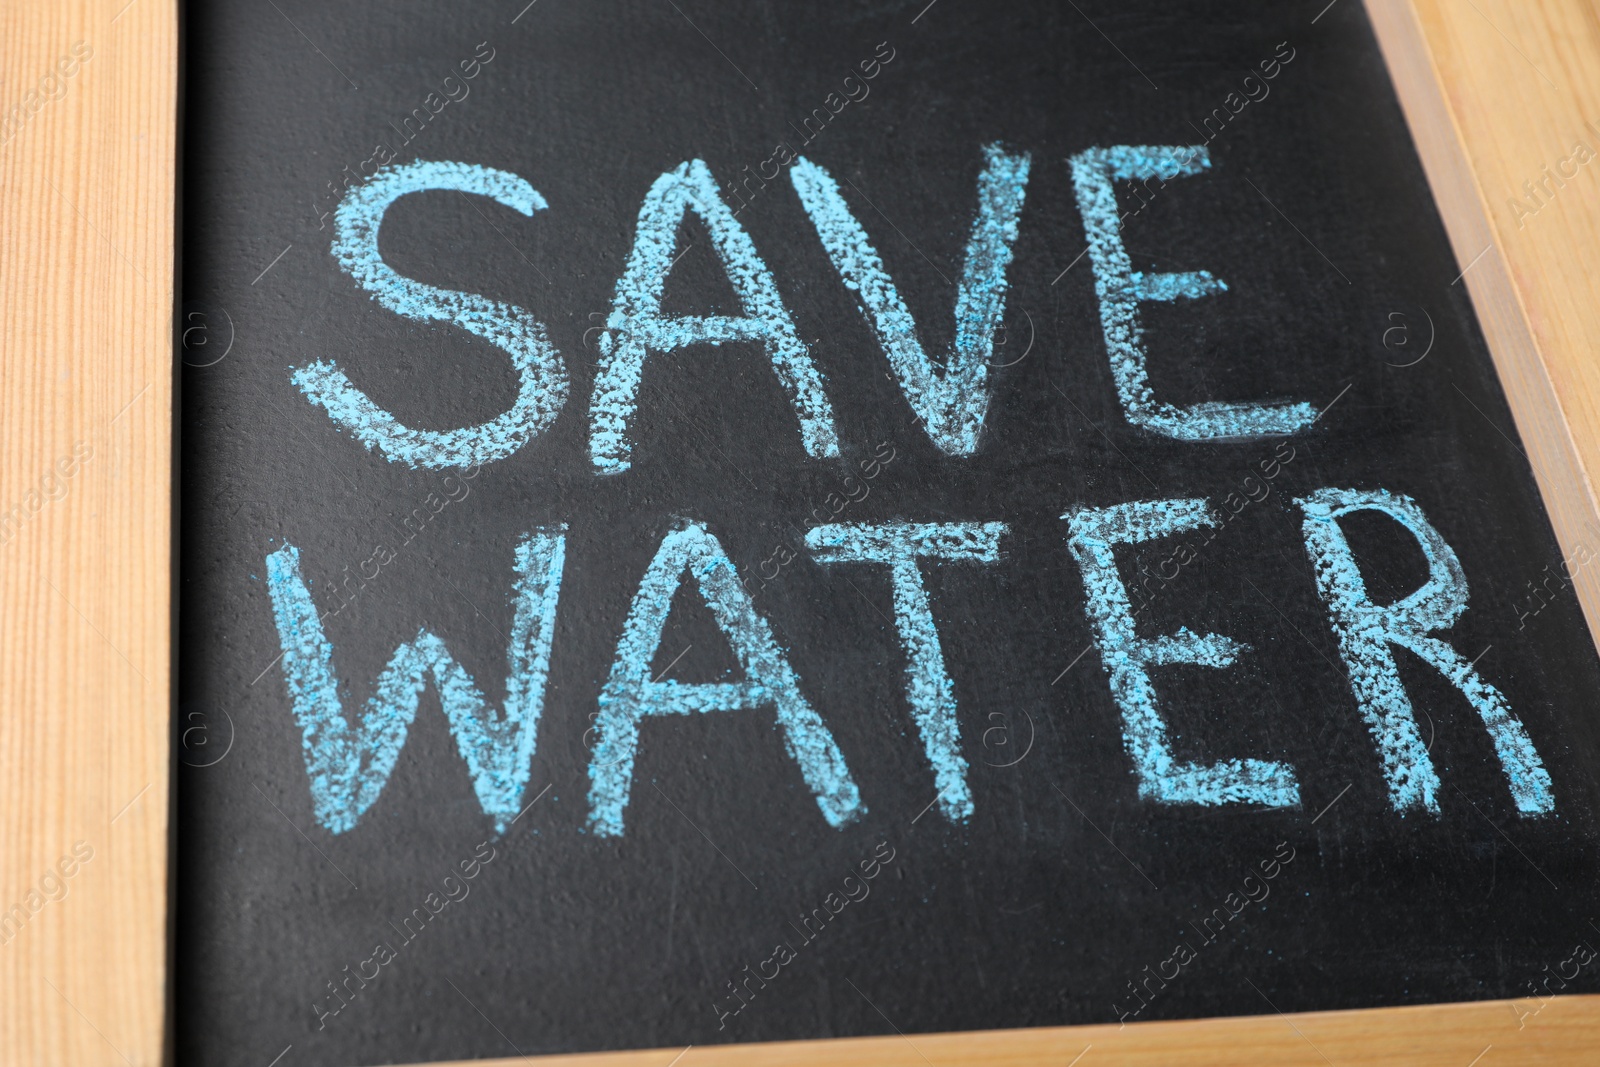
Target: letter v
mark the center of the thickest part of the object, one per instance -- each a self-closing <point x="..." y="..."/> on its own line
<point x="349" y="766"/>
<point x="951" y="403"/>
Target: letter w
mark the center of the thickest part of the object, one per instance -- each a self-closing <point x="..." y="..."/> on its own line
<point x="951" y="401"/>
<point x="349" y="766"/>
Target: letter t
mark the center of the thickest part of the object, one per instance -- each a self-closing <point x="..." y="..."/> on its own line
<point x="928" y="686"/>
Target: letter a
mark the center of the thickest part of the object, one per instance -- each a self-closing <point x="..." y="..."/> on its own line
<point x="636" y="325"/>
<point x="1366" y="630"/>
<point x="349" y="767"/>
<point x="630" y="696"/>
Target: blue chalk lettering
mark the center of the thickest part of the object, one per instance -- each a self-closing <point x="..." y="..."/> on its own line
<point x="541" y="375"/>
<point x="636" y="325"/>
<point x="630" y="696"/>
<point x="1092" y="534"/>
<point x="950" y="402"/>
<point x="928" y="687"/>
<point x="349" y="767"/>
<point x="1366" y="630"/>
<point x="1120" y="290"/>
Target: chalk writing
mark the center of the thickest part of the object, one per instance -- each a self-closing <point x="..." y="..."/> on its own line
<point x="1366" y="630"/>
<point x="950" y="403"/>
<point x="630" y="696"/>
<point x="456" y="90"/>
<point x="541" y="375"/>
<point x="348" y="764"/>
<point x="1151" y="584"/>
<point x="745" y="189"/>
<point x="349" y="767"/>
<point x="1120" y="290"/>
<point x="928" y="687"/>
<point x="783" y="554"/>
<point x="636" y="325"/>
<point x="1128" y="657"/>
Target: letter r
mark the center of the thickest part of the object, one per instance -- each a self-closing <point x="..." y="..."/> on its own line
<point x="1366" y="630"/>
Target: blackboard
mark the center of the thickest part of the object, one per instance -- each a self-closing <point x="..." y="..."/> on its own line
<point x="1052" y="550"/>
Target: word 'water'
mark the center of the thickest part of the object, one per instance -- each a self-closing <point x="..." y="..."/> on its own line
<point x="349" y="766"/>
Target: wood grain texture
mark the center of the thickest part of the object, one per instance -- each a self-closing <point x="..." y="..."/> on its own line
<point x="1498" y="93"/>
<point x="86" y="274"/>
<point x="1567" y="1031"/>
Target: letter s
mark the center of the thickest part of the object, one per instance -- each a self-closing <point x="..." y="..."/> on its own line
<point x="541" y="375"/>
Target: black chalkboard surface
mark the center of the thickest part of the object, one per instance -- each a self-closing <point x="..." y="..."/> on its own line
<point x="722" y="523"/>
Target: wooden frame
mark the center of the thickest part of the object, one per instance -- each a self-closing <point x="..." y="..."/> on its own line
<point x="1494" y="90"/>
<point x="86" y="286"/>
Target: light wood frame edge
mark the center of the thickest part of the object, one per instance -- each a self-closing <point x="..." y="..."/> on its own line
<point x="1490" y="269"/>
<point x="87" y="202"/>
